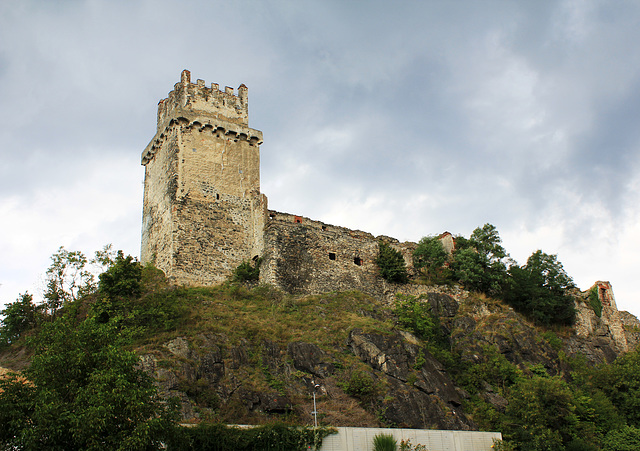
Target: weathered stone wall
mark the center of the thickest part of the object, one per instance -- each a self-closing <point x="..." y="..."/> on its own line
<point x="621" y="327"/>
<point x="305" y="256"/>
<point x="203" y="212"/>
<point x="160" y="183"/>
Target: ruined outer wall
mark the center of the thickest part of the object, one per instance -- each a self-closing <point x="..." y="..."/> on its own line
<point x="622" y="327"/>
<point x="310" y="257"/>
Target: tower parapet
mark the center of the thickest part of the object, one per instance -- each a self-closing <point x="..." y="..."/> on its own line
<point x="197" y="98"/>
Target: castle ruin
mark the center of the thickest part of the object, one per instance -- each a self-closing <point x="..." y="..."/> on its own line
<point x="204" y="214"/>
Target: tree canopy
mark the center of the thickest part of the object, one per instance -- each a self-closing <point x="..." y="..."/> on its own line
<point x="83" y="390"/>
<point x="541" y="290"/>
<point x="479" y="264"/>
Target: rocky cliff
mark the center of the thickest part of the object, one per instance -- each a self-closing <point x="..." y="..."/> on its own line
<point x="252" y="355"/>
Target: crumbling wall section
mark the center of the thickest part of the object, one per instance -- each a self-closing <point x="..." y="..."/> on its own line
<point x="610" y="323"/>
<point x="303" y="256"/>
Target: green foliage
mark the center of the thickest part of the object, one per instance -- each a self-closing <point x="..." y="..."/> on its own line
<point x="594" y="301"/>
<point x="138" y="298"/>
<point x="361" y="385"/>
<point x="541" y="414"/>
<point x="406" y="445"/>
<point x="19" y="317"/>
<point x="431" y="258"/>
<point x="67" y="279"/>
<point x="624" y="439"/>
<point x="122" y="279"/>
<point x="553" y="340"/>
<point x="479" y="262"/>
<point x="84" y="391"/>
<point x="415" y="314"/>
<point x="620" y="382"/>
<point x="391" y="264"/>
<point x="247" y="272"/>
<point x="384" y="442"/>
<point x="540" y="290"/>
<point x="493" y="369"/>
<point x="274" y="437"/>
<point x="501" y="445"/>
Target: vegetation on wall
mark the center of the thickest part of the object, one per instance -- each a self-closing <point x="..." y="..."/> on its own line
<point x="247" y="271"/>
<point x="432" y="260"/>
<point x="594" y="301"/>
<point x="479" y="263"/>
<point x="391" y="264"/>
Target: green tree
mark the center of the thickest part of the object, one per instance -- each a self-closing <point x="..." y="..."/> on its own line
<point x="620" y="381"/>
<point x="479" y="263"/>
<point x="430" y="257"/>
<point x="540" y="290"/>
<point x="84" y="391"/>
<point x="391" y="264"/>
<point x="68" y="278"/>
<point x="541" y="414"/>
<point x="19" y="317"/>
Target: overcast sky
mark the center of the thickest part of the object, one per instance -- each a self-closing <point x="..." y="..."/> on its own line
<point x="397" y="118"/>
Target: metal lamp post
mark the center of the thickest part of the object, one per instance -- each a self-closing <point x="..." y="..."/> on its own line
<point x="315" y="411"/>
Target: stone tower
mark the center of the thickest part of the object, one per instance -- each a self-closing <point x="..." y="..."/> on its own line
<point x="203" y="213"/>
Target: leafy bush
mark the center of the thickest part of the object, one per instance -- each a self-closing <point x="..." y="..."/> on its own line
<point x="122" y="279"/>
<point x="625" y="439"/>
<point x="139" y="298"/>
<point x="415" y="315"/>
<point x="84" y="392"/>
<point x="360" y="384"/>
<point x="494" y="368"/>
<point x="275" y="437"/>
<point x="247" y="272"/>
<point x="384" y="442"/>
<point x="391" y="264"/>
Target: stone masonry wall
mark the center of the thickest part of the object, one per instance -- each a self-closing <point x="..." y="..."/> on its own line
<point x="305" y="256"/>
<point x="203" y="213"/>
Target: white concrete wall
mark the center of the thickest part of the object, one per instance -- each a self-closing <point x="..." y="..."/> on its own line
<point x="361" y="439"/>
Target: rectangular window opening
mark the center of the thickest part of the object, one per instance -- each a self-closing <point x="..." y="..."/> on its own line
<point x="332" y="255"/>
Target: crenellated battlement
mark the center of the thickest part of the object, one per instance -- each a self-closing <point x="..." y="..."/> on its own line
<point x="209" y="101"/>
